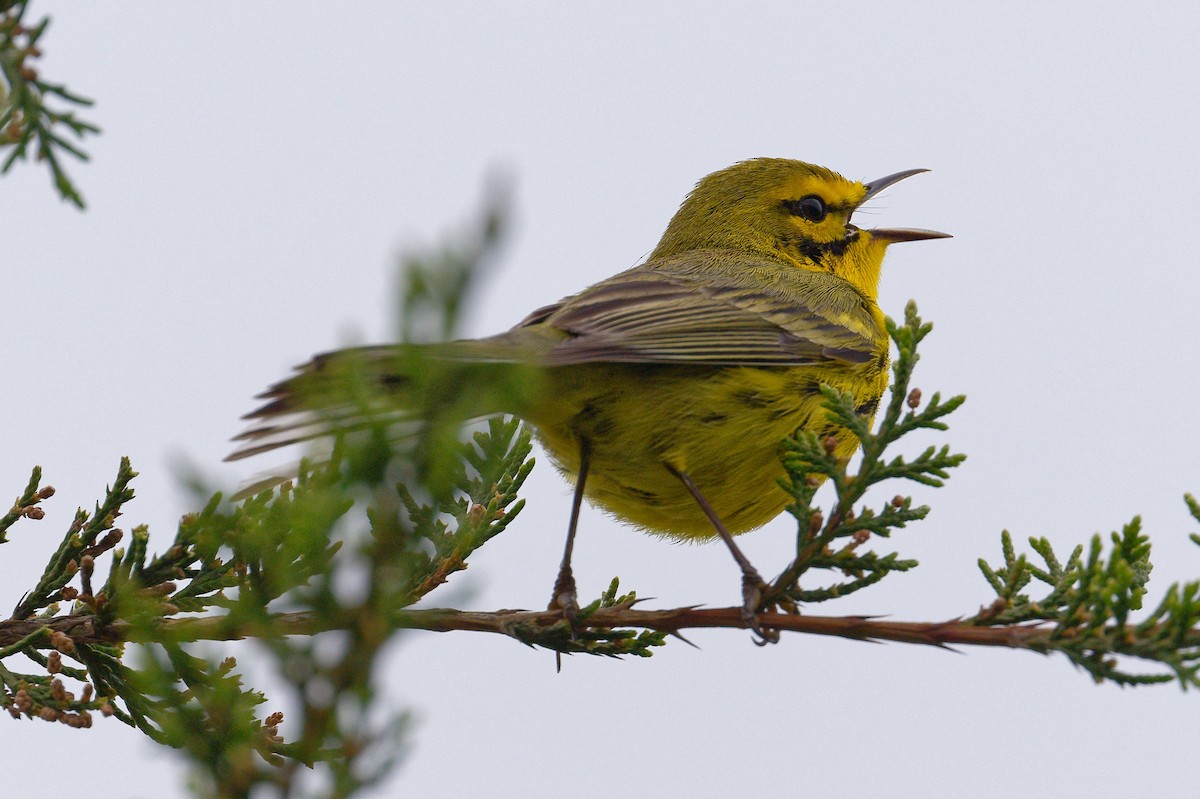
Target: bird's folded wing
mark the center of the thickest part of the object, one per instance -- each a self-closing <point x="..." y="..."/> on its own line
<point x="654" y="316"/>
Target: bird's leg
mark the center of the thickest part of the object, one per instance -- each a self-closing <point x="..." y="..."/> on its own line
<point x="565" y="597"/>
<point x="753" y="585"/>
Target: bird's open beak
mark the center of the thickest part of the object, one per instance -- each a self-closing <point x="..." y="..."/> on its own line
<point x="898" y="234"/>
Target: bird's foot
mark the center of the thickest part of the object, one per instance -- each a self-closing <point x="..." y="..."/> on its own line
<point x="754" y="588"/>
<point x="565" y="598"/>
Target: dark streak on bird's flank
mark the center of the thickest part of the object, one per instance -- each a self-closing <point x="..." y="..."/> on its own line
<point x="805" y="386"/>
<point x="594" y="421"/>
<point x="751" y="399"/>
<point x="868" y="408"/>
<point x="743" y="508"/>
<point x="649" y="497"/>
<point x="662" y="443"/>
<point x="829" y="430"/>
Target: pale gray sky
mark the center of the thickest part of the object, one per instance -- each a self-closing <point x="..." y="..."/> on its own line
<point x="261" y="164"/>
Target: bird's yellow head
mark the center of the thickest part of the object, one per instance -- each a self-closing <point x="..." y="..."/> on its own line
<point x="790" y="211"/>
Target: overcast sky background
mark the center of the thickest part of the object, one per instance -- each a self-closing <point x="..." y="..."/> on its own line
<point x="262" y="164"/>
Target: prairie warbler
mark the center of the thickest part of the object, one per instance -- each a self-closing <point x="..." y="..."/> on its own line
<point x="664" y="392"/>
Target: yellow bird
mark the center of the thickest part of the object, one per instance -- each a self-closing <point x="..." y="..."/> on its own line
<point x="665" y="392"/>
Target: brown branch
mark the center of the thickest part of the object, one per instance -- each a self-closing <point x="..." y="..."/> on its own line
<point x="84" y="630"/>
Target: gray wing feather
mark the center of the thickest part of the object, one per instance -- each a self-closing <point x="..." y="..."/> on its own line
<point x="656" y="316"/>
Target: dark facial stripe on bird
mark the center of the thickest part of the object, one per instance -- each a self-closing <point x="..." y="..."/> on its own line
<point x="816" y="251"/>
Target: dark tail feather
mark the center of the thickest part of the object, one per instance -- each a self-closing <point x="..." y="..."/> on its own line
<point x="391" y="386"/>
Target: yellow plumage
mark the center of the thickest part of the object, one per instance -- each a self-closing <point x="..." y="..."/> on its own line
<point x="721" y="423"/>
<point x="695" y="364"/>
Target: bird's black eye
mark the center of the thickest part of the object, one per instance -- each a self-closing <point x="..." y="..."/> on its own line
<point x="811" y="207"/>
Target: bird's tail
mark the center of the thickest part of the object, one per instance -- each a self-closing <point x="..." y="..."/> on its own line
<point x="394" y="387"/>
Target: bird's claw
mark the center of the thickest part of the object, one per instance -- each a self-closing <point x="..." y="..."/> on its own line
<point x="566" y="599"/>
<point x="753" y="590"/>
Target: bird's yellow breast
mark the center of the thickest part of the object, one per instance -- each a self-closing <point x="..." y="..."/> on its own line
<point x="723" y="426"/>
